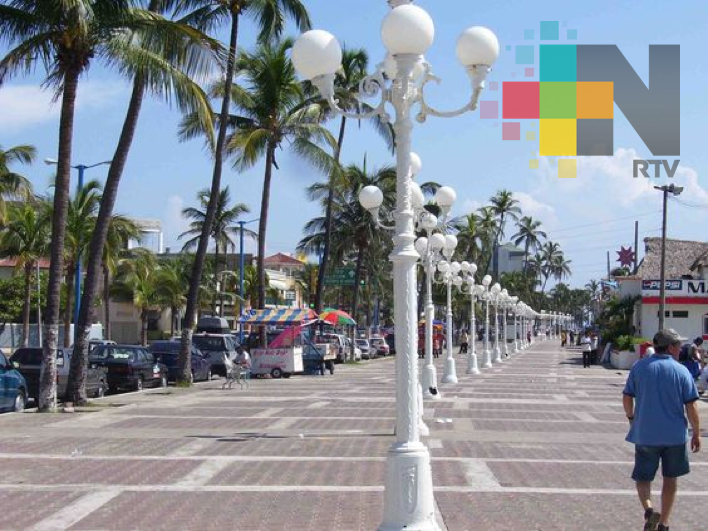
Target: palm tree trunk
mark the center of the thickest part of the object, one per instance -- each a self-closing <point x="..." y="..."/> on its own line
<point x="216" y="278"/>
<point x="107" y="302"/>
<point x="526" y="255"/>
<point x="27" y="304"/>
<point x="144" y="327"/>
<point x="263" y="224"/>
<point x="198" y="266"/>
<point x="48" y="383"/>
<point x="328" y="222"/>
<point x="70" y="269"/>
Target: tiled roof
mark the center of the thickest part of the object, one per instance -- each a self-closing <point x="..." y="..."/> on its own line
<point x="681" y="255"/>
<point x="11" y="262"/>
<point x="282" y="259"/>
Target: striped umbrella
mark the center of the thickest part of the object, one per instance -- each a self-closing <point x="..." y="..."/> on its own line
<point x="336" y="317"/>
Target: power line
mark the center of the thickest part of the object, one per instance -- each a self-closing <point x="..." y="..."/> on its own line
<point x="700" y="206"/>
<point x="595" y="224"/>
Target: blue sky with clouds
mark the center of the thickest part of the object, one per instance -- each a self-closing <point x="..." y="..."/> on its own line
<point x="589" y="216"/>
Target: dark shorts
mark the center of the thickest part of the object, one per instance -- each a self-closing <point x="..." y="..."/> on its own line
<point x="674" y="462"/>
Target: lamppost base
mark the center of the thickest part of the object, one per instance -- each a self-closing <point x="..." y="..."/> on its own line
<point x="450" y="376"/>
<point x="472" y="365"/>
<point x="487" y="359"/>
<point x="430" y="383"/>
<point x="497" y="355"/>
<point x="409" y="503"/>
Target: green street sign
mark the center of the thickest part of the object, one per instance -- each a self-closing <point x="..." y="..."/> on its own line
<point x="340" y="276"/>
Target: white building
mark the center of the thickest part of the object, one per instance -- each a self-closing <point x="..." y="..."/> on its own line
<point x="510" y="259"/>
<point x="686" y="288"/>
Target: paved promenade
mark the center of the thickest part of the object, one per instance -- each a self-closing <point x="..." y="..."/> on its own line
<point x="535" y="444"/>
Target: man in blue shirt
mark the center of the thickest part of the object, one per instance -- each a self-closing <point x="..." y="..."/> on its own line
<point x="657" y="392"/>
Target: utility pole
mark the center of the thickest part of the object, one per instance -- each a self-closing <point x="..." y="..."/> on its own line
<point x="609" y="277"/>
<point x="636" y="246"/>
<point x="675" y="190"/>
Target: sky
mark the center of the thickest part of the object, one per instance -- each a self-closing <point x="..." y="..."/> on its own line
<point x="588" y="216"/>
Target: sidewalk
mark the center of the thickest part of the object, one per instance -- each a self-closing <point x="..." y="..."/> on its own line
<point x="534" y="444"/>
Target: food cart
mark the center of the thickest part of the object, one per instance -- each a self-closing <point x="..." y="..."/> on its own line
<point x="284" y="355"/>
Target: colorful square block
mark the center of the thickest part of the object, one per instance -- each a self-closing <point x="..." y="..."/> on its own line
<point x="528" y="35"/>
<point x="595" y="138"/>
<point x="572" y="35"/>
<point x="489" y="110"/>
<point x="508" y="47"/>
<point x="494" y="85"/>
<point x="558" y="100"/>
<point x="533" y="164"/>
<point x="595" y="99"/>
<point x="525" y="55"/>
<point x="528" y="72"/>
<point x="567" y="168"/>
<point x="511" y="131"/>
<point x="530" y="135"/>
<point x="558" y="138"/>
<point x="550" y="30"/>
<point x="558" y="62"/>
<point x="521" y="100"/>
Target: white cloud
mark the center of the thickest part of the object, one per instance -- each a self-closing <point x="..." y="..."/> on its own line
<point x="530" y="206"/>
<point x="173" y="223"/>
<point x="23" y="106"/>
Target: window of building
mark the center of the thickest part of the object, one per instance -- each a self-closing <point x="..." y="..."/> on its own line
<point x="667" y="313"/>
<point x="290" y="295"/>
<point x="705" y="325"/>
<point x="681" y="314"/>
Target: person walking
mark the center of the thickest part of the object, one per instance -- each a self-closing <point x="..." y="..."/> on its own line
<point x="657" y="398"/>
<point x="586" y="344"/>
<point x="464" y="342"/>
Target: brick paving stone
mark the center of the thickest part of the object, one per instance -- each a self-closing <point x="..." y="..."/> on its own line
<point x="305" y="447"/>
<point x="505" y="415"/>
<point x="236" y="412"/>
<point x="298" y="473"/>
<point x="22" y="509"/>
<point x="168" y="423"/>
<point x="91" y="446"/>
<point x="77" y="471"/>
<point x="363" y="412"/>
<point x="557" y="512"/>
<point x="245" y="511"/>
<point x="540" y="450"/>
<point x="33" y="419"/>
<point x="566" y="427"/>
<point x="385" y="425"/>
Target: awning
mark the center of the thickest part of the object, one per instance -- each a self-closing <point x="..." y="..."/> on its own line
<point x="278" y="284"/>
<point x="278" y="316"/>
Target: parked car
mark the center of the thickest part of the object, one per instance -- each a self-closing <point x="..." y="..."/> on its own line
<point x="213" y="346"/>
<point x="129" y="367"/>
<point x="365" y="348"/>
<point x="28" y="360"/>
<point x="379" y="345"/>
<point x="348" y="346"/>
<point x="167" y="352"/>
<point x="339" y="343"/>
<point x="13" y="387"/>
<point x="391" y="342"/>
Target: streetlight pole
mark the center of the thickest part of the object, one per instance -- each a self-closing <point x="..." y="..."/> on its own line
<point x="496" y="292"/>
<point x="666" y="190"/>
<point x="467" y="286"/>
<point x="486" y="354"/>
<point x="407" y="33"/>
<point x="240" y="276"/>
<point x="449" y="271"/>
<point x="78" y="272"/>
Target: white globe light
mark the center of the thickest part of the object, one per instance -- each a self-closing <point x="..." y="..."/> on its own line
<point x="407" y="29"/>
<point x="316" y="53"/>
<point x="455" y="267"/>
<point x="505" y="292"/>
<point x="370" y="197"/>
<point x="443" y="267"/>
<point x="445" y="196"/>
<point x="421" y="245"/>
<point x="477" y="46"/>
<point x="457" y="281"/>
<point x="450" y="242"/>
<point x="487" y="280"/>
<point x="437" y="241"/>
<point x="464" y="266"/>
<point x="472" y="269"/>
<point x="428" y="221"/>
<point x="416" y="164"/>
<point x="496" y="288"/>
<point x="417" y="197"/>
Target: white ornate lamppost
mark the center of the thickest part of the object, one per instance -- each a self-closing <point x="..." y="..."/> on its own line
<point x="486" y="296"/>
<point x="449" y="272"/>
<point x="467" y="286"/>
<point x="514" y="309"/>
<point x="505" y="300"/>
<point x="407" y="33"/>
<point x="495" y="292"/>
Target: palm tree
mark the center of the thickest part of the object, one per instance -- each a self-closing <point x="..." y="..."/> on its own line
<point x="223" y="227"/>
<point x="80" y="224"/>
<point x="13" y="184"/>
<point x="272" y="113"/>
<point x="488" y="228"/>
<point x="121" y="230"/>
<point x="137" y="282"/>
<point x="353" y="70"/>
<point x="470" y="236"/>
<point x="504" y="207"/>
<point x="172" y="286"/>
<point x="207" y="15"/>
<point x="530" y="235"/>
<point x="66" y="35"/>
<point x="26" y="239"/>
<point x="550" y="255"/>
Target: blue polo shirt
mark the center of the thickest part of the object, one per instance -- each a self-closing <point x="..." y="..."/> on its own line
<point x="661" y="387"/>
